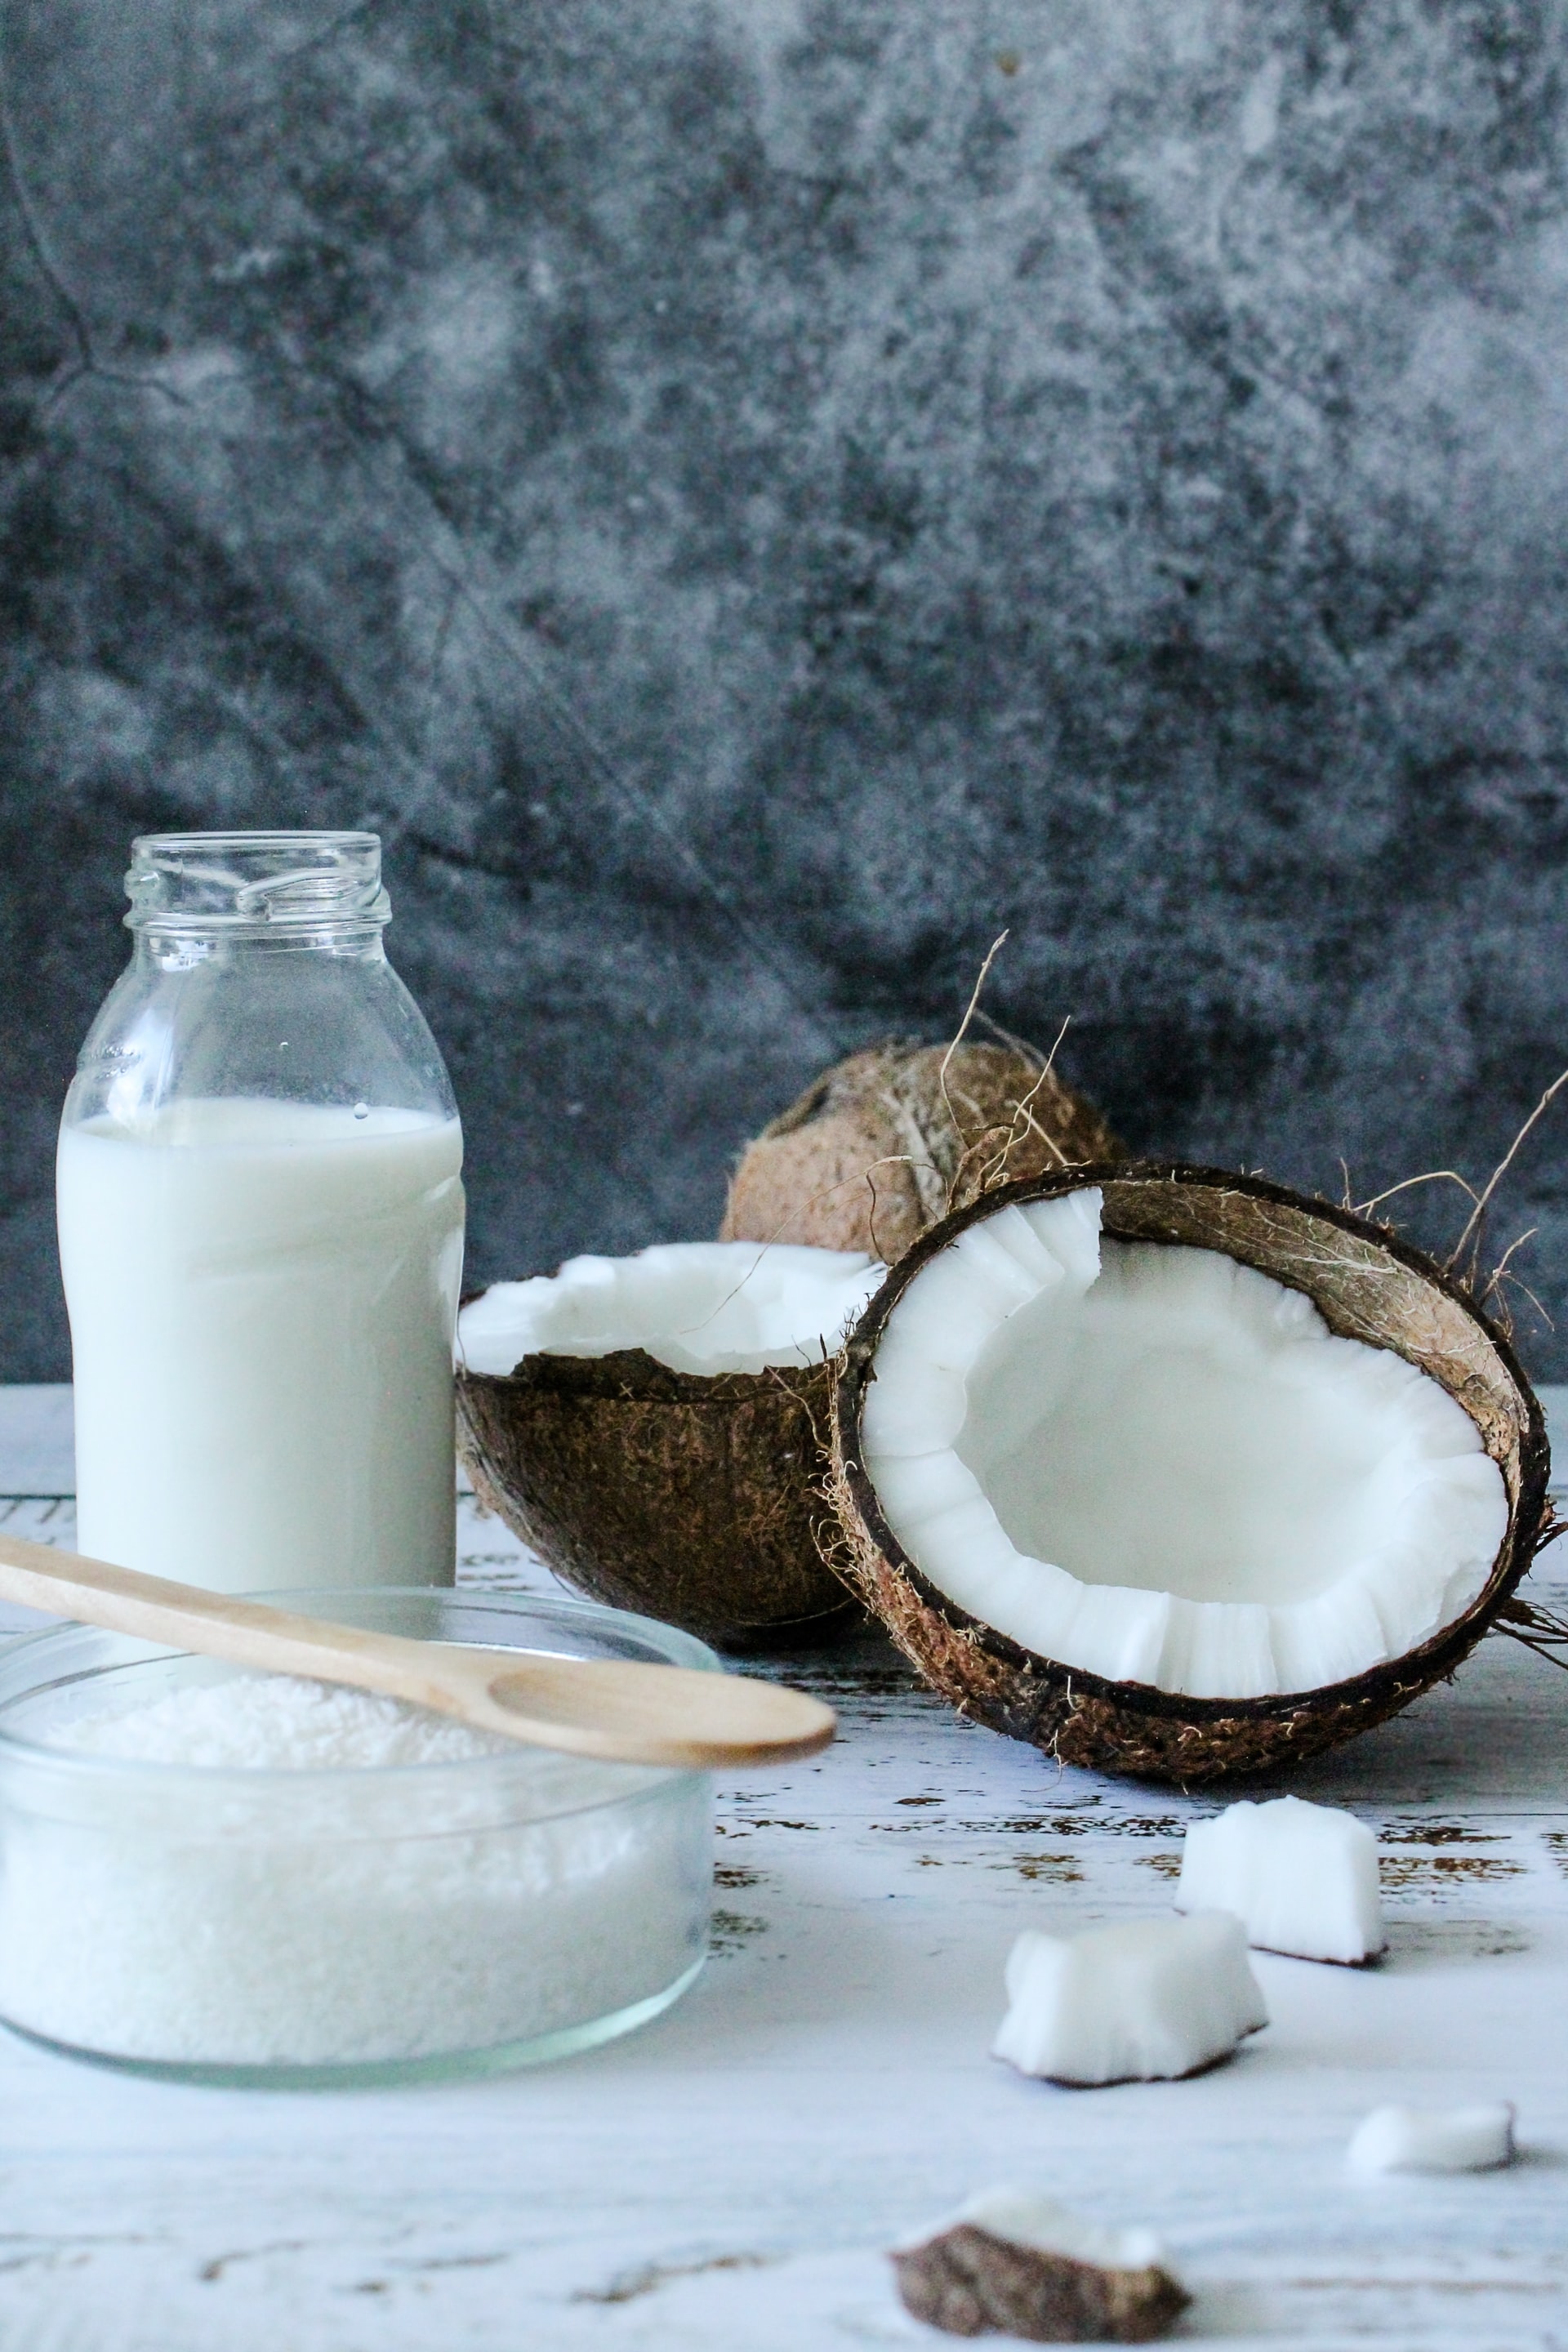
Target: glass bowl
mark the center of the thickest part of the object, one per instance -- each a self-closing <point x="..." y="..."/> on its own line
<point x="301" y="1928"/>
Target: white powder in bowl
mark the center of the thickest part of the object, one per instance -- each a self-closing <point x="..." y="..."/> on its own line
<point x="260" y="1871"/>
<point x="279" y="1723"/>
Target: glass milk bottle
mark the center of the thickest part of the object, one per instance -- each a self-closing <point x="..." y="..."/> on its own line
<point x="261" y="1230"/>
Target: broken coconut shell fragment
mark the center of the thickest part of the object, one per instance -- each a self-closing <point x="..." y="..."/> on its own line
<point x="694" y="1495"/>
<point x="1012" y="2265"/>
<point x="882" y="1145"/>
<point x="1185" y="1682"/>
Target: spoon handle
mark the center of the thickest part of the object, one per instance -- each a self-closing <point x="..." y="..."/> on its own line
<point x="188" y="1617"/>
<point x="616" y="1710"/>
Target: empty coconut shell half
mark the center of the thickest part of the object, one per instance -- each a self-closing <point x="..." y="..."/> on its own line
<point x="1176" y="1473"/>
<point x="654" y="1427"/>
<point x="882" y="1145"/>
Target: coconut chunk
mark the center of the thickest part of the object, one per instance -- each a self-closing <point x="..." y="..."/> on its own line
<point x="1301" y="1878"/>
<point x="1146" y="2002"/>
<point x="697" y="1307"/>
<point x="1440" y="2139"/>
<point x="1026" y="2217"/>
<point x="1016" y="2262"/>
<point x="1241" y="1502"/>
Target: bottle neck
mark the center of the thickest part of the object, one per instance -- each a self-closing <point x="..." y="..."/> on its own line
<point x="191" y="892"/>
<point x="170" y="947"/>
<point x="258" y="973"/>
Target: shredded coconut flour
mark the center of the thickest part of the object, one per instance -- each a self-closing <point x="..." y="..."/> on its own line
<point x="279" y="1723"/>
<point x="307" y="1896"/>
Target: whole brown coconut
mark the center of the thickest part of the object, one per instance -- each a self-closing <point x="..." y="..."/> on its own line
<point x="1367" y="1285"/>
<point x="712" y="1519"/>
<point x="881" y="1146"/>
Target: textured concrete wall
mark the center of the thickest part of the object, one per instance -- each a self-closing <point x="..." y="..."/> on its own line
<point x="752" y="496"/>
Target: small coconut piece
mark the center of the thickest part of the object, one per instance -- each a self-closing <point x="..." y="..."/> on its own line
<point x="1011" y="2262"/>
<point x="1174" y="1472"/>
<point x="1433" y="2139"/>
<point x="654" y="1428"/>
<point x="1147" y="2002"/>
<point x="882" y="1145"/>
<point x="1301" y="1878"/>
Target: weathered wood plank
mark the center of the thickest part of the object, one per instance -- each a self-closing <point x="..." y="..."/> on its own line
<point x="730" y="2177"/>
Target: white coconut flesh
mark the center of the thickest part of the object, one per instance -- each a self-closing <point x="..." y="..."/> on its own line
<point x="1147" y="2001"/>
<point x="1027" y="2217"/>
<point x="1301" y="1878"/>
<point x="698" y="1306"/>
<point x="1441" y="2139"/>
<point x="1159" y="1466"/>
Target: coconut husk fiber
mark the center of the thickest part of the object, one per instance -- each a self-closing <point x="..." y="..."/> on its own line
<point x="1368" y="1284"/>
<point x="695" y="1499"/>
<point x="881" y="1146"/>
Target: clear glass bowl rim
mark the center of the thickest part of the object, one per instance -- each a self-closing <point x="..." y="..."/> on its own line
<point x="675" y="1648"/>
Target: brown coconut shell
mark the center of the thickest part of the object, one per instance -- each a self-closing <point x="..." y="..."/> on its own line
<point x="692" y="1498"/>
<point x="968" y="2282"/>
<point x="1367" y="1285"/>
<point x="881" y="1146"/>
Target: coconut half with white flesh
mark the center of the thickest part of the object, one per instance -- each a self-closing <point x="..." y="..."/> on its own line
<point x="1177" y="1473"/>
<point x="654" y="1428"/>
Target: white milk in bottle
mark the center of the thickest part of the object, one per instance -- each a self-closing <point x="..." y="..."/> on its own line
<point x="262" y="1286"/>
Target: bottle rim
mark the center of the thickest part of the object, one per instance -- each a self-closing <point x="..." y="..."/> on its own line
<point x="258" y="883"/>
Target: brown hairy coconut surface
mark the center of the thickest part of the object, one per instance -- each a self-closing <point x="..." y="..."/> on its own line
<point x="968" y="2282"/>
<point x="694" y="1499"/>
<point x="1367" y="1285"/>
<point x="881" y="1146"/>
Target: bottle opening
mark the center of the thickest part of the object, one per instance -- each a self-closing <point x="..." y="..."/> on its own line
<point x="253" y="881"/>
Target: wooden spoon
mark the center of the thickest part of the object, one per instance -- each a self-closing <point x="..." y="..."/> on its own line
<point x="609" y="1707"/>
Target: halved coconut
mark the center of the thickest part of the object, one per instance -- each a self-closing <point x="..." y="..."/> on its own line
<point x="654" y="1427"/>
<point x="1177" y="1473"/>
<point x="881" y="1146"/>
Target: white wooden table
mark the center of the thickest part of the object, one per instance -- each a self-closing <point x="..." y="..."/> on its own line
<point x="726" y="2180"/>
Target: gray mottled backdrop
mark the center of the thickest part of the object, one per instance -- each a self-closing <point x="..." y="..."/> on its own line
<point x="751" y="497"/>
